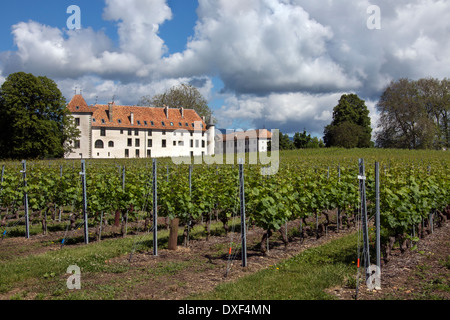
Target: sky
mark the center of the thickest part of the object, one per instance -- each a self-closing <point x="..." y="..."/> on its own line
<point x="274" y="64"/>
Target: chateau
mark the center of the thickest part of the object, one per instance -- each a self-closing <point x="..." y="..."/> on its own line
<point x="113" y="131"/>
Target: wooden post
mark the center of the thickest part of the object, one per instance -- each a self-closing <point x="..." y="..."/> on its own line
<point x="173" y="234"/>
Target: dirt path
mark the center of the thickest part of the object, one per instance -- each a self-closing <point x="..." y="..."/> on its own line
<point x="421" y="274"/>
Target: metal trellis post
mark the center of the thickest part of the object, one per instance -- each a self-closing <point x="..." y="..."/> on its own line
<point x="242" y="209"/>
<point x="364" y="221"/>
<point x="83" y="182"/>
<point x="155" y="209"/>
<point x="25" y="199"/>
<point x="377" y="213"/>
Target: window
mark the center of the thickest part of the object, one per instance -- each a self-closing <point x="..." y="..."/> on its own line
<point x="103" y="132"/>
<point x="103" y="121"/>
<point x="162" y="122"/>
<point x="150" y="132"/>
<point x="93" y="119"/>
<point x="77" y="122"/>
<point x="120" y="121"/>
<point x="187" y="124"/>
<point x="136" y="132"/>
<point x="111" y="144"/>
<point x="137" y="153"/>
<point x="129" y="132"/>
<point x="181" y="143"/>
<point x="203" y="143"/>
<point x="127" y="153"/>
<point x="192" y="143"/>
<point x="99" y="144"/>
<point x="130" y="142"/>
<point x="145" y="123"/>
<point x="137" y="143"/>
<point x="174" y="143"/>
<point x="149" y="153"/>
<point x="180" y="124"/>
<point x="77" y="144"/>
<point x="149" y="143"/>
<point x="139" y="122"/>
<point x="121" y="131"/>
<point x="163" y="143"/>
<point x="163" y="132"/>
<point x="152" y="123"/>
<point x="171" y="124"/>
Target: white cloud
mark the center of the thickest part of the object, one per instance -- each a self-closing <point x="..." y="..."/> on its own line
<point x="291" y="111"/>
<point x="260" y="46"/>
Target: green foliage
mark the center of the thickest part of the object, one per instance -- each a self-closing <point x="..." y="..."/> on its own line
<point x="307" y="183"/>
<point x="350" y="127"/>
<point x="34" y="120"/>
<point x="415" y="114"/>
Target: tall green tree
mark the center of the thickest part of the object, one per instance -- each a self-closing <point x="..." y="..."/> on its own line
<point x="34" y="120"/>
<point x="184" y="95"/>
<point x="301" y="140"/>
<point x="350" y="127"/>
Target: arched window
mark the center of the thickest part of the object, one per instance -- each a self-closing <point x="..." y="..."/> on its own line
<point x="99" y="144"/>
<point x="111" y="144"/>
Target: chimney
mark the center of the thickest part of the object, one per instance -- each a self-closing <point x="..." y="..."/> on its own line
<point x="166" y="110"/>
<point x="182" y="112"/>
<point x="110" y="111"/>
<point x="132" y="118"/>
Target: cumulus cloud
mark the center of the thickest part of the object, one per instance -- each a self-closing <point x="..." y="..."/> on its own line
<point x="290" y="111"/>
<point x="259" y="47"/>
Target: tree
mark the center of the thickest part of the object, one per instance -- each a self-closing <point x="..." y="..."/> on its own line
<point x="350" y="117"/>
<point x="184" y="95"/>
<point x="301" y="140"/>
<point x="304" y="140"/>
<point x="34" y="120"/>
<point x="285" y="142"/>
<point x="414" y="114"/>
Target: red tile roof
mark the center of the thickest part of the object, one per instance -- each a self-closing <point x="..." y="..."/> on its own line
<point x="78" y="104"/>
<point x="250" y="134"/>
<point x="143" y="117"/>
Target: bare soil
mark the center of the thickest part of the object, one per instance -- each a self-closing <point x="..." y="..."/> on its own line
<point x="419" y="274"/>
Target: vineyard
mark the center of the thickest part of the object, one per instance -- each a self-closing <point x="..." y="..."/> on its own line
<point x="312" y="194"/>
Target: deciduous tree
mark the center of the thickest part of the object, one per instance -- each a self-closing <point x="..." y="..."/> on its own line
<point x="34" y="120"/>
<point x="184" y="95"/>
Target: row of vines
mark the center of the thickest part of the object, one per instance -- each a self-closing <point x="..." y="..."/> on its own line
<point x="414" y="194"/>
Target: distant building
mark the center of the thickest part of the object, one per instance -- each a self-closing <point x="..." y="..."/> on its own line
<point x="113" y="131"/>
<point x="243" y="141"/>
